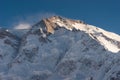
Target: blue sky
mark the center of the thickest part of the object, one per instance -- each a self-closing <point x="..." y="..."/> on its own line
<point x="102" y="13"/>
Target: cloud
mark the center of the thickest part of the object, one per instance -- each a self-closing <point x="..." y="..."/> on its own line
<point x="23" y="26"/>
<point x="26" y="21"/>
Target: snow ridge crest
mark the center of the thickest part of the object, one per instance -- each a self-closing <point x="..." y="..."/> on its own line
<point x="109" y="40"/>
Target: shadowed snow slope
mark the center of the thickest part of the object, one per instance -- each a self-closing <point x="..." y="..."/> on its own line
<point x="58" y="48"/>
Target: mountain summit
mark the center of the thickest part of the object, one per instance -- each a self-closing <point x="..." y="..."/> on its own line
<point x="109" y="40"/>
<point x="58" y="48"/>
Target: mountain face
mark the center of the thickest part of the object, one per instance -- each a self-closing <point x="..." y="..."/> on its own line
<point x="58" y="48"/>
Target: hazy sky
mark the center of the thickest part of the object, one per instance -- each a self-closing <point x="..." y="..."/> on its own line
<point x="101" y="13"/>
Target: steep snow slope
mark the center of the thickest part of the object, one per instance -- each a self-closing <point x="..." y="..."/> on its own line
<point x="18" y="32"/>
<point x="9" y="45"/>
<point x="109" y="40"/>
<point x="57" y="48"/>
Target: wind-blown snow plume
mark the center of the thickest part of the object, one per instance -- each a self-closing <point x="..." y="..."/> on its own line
<point x="23" y="26"/>
<point x="25" y="21"/>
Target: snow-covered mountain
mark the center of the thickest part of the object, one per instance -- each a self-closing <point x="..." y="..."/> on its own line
<point x="58" y="48"/>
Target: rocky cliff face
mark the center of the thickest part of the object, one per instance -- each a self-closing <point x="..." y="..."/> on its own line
<point x="57" y="48"/>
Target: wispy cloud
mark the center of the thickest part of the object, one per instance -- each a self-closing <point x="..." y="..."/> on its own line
<point x="24" y="22"/>
<point x="37" y="17"/>
<point x="22" y="26"/>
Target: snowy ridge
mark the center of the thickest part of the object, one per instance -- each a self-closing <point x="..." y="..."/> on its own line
<point x="95" y="31"/>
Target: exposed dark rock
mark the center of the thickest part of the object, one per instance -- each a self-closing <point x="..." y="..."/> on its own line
<point x="67" y="67"/>
<point x="41" y="75"/>
<point x="30" y="53"/>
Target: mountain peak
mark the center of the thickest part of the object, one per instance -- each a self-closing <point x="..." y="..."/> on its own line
<point x="109" y="40"/>
<point x="74" y="51"/>
<point x="57" y="21"/>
